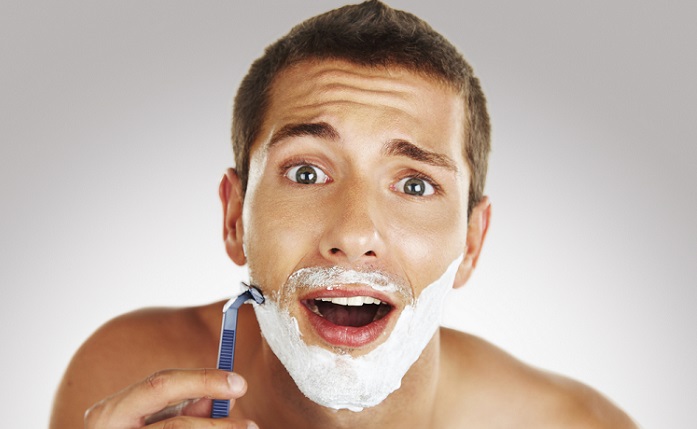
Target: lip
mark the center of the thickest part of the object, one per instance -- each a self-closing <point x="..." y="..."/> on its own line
<point x="348" y="336"/>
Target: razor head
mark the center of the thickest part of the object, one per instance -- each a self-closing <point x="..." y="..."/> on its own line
<point x="255" y="293"/>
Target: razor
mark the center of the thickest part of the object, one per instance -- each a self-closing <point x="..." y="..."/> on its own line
<point x="226" y="350"/>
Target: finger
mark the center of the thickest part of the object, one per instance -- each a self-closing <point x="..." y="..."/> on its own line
<point x="169" y="412"/>
<point x="129" y="407"/>
<point x="192" y="407"/>
<point x="186" y="422"/>
<point x="200" y="408"/>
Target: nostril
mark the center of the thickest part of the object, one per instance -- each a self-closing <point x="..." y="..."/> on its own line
<point x="336" y="251"/>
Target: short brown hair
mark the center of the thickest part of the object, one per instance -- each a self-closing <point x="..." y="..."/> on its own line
<point x="370" y="34"/>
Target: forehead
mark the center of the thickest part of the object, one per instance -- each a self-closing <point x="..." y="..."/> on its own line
<point x="392" y="100"/>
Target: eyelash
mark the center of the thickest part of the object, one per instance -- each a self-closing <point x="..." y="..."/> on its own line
<point x="295" y="162"/>
<point x="437" y="189"/>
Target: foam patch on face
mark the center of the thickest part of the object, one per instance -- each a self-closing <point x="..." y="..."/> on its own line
<point x="341" y="381"/>
<point x="319" y="277"/>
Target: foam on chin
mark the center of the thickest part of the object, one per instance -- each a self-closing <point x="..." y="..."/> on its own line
<point x="340" y="381"/>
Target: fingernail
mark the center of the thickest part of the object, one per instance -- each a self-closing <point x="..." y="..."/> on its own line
<point x="235" y="382"/>
<point x="252" y="425"/>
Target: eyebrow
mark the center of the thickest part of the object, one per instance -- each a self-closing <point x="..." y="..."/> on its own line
<point x="316" y="129"/>
<point x="404" y="148"/>
<point x="396" y="147"/>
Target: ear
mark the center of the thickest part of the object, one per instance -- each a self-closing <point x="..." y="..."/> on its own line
<point x="230" y="191"/>
<point x="476" y="233"/>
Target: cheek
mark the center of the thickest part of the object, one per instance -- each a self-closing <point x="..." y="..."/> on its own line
<point x="428" y="239"/>
<point x="280" y="233"/>
<point x="283" y="230"/>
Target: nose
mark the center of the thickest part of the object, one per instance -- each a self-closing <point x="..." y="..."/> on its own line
<point x="351" y="234"/>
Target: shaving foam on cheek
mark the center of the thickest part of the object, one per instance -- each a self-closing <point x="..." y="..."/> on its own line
<point x="340" y="381"/>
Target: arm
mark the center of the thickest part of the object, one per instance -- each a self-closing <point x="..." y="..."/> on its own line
<point x="126" y="356"/>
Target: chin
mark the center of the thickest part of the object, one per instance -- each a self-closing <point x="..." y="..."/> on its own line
<point x="357" y="342"/>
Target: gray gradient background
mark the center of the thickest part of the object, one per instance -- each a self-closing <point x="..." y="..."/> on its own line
<point x="114" y="135"/>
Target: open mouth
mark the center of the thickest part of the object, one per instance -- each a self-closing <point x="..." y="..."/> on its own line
<point x="353" y="311"/>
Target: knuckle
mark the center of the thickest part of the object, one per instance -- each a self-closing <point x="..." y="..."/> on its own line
<point x="212" y="381"/>
<point x="95" y="414"/>
<point x="206" y="378"/>
<point x="91" y="416"/>
<point x="158" y="380"/>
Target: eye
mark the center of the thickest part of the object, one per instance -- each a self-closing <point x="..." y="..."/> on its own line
<point x="415" y="186"/>
<point x="306" y="174"/>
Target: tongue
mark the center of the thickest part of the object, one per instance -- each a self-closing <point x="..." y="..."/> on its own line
<point x="347" y="315"/>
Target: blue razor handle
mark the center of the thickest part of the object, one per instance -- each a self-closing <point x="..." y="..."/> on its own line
<point x="226" y="350"/>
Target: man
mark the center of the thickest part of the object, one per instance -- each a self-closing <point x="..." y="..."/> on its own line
<point x="361" y="142"/>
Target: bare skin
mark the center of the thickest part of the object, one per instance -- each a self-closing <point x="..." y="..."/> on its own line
<point x="478" y="384"/>
<point x="372" y="131"/>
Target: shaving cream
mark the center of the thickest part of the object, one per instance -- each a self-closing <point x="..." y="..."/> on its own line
<point x="341" y="381"/>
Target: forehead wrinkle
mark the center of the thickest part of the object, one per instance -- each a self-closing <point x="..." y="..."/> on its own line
<point x="373" y="97"/>
<point x="294" y="88"/>
<point x="298" y="89"/>
<point x="316" y="118"/>
<point x="346" y="95"/>
<point x="376" y="81"/>
<point x="309" y="93"/>
<point x="325" y="111"/>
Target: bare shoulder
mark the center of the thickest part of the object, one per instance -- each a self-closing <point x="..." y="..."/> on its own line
<point x="491" y="387"/>
<point x="128" y="349"/>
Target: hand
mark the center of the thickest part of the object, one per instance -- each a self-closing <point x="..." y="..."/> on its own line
<point x="170" y="399"/>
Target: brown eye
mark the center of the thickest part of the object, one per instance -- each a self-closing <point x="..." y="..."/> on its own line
<point x="307" y="175"/>
<point x="415" y="186"/>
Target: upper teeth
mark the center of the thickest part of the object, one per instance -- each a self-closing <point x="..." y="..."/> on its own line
<point x="352" y="300"/>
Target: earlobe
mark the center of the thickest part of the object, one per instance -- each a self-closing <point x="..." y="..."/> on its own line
<point x="476" y="233"/>
<point x="231" y="197"/>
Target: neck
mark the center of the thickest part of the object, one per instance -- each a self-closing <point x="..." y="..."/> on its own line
<point x="274" y="401"/>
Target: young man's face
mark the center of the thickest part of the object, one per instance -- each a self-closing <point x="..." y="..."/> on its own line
<point x="362" y="169"/>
